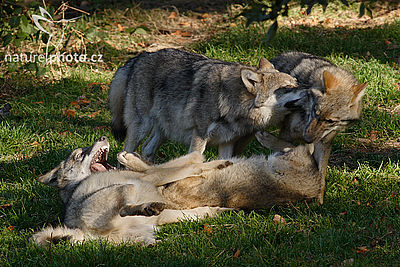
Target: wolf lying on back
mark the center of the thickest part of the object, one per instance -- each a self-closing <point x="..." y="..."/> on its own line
<point x="192" y="99"/>
<point x="127" y="205"/>
<point x="97" y="198"/>
<point x="289" y="175"/>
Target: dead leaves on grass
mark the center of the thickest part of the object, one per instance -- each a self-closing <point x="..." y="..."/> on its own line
<point x="237" y="254"/>
<point x="278" y="219"/>
<point x="81" y="101"/>
<point x="207" y="228"/>
<point x="5" y="206"/>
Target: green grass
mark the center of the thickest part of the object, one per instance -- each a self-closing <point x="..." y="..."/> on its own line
<point x="362" y="200"/>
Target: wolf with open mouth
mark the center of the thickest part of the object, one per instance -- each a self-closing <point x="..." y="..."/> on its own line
<point x="98" y="198"/>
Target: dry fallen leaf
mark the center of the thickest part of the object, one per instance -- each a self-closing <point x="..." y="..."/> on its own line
<point x="64" y="133"/>
<point x="186" y="34"/>
<point x="75" y="104"/>
<point x="185" y="24"/>
<point x="35" y="143"/>
<point x="205" y="15"/>
<point x="237" y="254"/>
<point x="362" y="250"/>
<point x="178" y="32"/>
<point x="207" y="228"/>
<point x="373" y="135"/>
<point x="120" y="28"/>
<point x="278" y="219"/>
<point x="69" y="113"/>
<point x="181" y="33"/>
<point x="354" y="182"/>
<point x="172" y="15"/>
<point x="142" y="45"/>
<point x="83" y="101"/>
<point x="94" y="114"/>
<point x="5" y="206"/>
<point x="397" y="86"/>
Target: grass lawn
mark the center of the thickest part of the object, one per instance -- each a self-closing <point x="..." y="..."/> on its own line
<point x="359" y="222"/>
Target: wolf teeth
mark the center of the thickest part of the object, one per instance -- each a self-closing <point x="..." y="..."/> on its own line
<point x="99" y="155"/>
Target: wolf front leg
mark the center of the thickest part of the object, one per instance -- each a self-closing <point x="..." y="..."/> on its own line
<point x="321" y="155"/>
<point x="172" y="216"/>
<point x="197" y="143"/>
<point x="241" y="143"/>
<point x="272" y="142"/>
<point x="152" y="143"/>
<point x="145" y="209"/>
<point x="225" y="150"/>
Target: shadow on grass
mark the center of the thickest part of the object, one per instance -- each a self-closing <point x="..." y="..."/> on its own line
<point x="381" y="42"/>
<point x="374" y="157"/>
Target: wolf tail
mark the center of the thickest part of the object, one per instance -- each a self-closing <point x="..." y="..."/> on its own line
<point x="55" y="235"/>
<point x="116" y="99"/>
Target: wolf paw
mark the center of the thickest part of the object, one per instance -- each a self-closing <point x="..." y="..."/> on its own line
<point x="146" y="209"/>
<point x="224" y="165"/>
<point x="132" y="161"/>
<point x="153" y="209"/>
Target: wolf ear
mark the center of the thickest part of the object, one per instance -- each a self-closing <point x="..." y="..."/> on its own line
<point x="330" y="81"/>
<point x="50" y="178"/>
<point x="265" y="64"/>
<point x="359" y="91"/>
<point x="250" y="78"/>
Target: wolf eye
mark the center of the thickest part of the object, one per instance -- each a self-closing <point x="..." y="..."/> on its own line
<point x="78" y="155"/>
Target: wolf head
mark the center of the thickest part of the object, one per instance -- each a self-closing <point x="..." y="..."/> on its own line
<point x="338" y="105"/>
<point x="264" y="81"/>
<point x="80" y="164"/>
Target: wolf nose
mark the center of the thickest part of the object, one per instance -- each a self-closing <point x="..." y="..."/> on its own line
<point x="103" y="138"/>
<point x="308" y="138"/>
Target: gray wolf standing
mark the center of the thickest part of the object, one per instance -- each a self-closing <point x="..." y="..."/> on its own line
<point x="190" y="98"/>
<point x="338" y="95"/>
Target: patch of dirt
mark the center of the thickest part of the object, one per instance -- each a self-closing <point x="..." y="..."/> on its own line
<point x="188" y="5"/>
<point x="335" y="17"/>
<point x="179" y="23"/>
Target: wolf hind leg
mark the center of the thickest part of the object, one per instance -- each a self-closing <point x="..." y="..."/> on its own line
<point x="135" y="163"/>
<point x="55" y="235"/>
<point x="132" y="161"/>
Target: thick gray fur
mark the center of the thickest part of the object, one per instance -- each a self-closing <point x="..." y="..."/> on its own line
<point x="192" y="99"/>
<point x="337" y="93"/>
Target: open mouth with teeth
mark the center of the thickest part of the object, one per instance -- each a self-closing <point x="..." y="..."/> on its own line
<point x="99" y="162"/>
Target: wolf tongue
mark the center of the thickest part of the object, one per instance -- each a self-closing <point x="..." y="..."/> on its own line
<point x="98" y="167"/>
